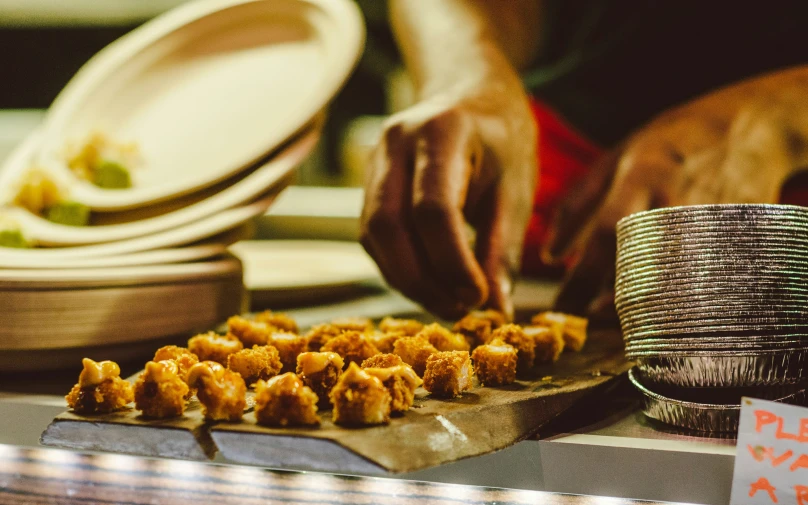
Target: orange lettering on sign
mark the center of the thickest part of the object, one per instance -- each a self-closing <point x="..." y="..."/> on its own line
<point x="801" y="493"/>
<point x="783" y="435"/>
<point x="801" y="462"/>
<point x="762" y="418"/>
<point x="760" y="453"/>
<point x="763" y="484"/>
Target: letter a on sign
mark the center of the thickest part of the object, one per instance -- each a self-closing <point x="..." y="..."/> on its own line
<point x="762" y="484"/>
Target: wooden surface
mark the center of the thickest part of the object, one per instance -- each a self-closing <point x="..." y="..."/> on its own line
<point x="434" y="432"/>
<point x="48" y="476"/>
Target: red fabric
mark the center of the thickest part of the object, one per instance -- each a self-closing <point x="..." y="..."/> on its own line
<point x="564" y="159"/>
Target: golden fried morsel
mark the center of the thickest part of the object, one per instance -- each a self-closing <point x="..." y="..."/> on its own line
<point x="100" y="389"/>
<point x="360" y="324"/>
<point x="353" y="346"/>
<point x="214" y="347"/>
<point x="277" y="320"/>
<point x="360" y="399"/>
<point x="448" y="374"/>
<point x="259" y="363"/>
<point x="495" y="363"/>
<point x="414" y="351"/>
<point x="475" y="330"/>
<point x="409" y="327"/>
<point x="382" y="361"/>
<point x="512" y="334"/>
<point x="249" y="332"/>
<point x="184" y="358"/>
<point x="401" y="382"/>
<point x="320" y="334"/>
<point x="289" y="346"/>
<point x="285" y="401"/>
<point x="573" y="328"/>
<point x="549" y="343"/>
<point x="320" y="371"/>
<point x="160" y="391"/>
<point x="443" y="339"/>
<point x="221" y="392"/>
<point x="384" y="342"/>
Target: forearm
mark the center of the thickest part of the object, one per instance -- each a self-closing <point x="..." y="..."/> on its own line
<point x="454" y="44"/>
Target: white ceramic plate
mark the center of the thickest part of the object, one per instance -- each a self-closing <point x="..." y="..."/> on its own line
<point x="206" y="90"/>
<point x="212" y="226"/>
<point x="273" y="175"/>
<point x="158" y="257"/>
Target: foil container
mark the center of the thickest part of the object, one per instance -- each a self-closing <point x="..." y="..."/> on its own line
<point x="745" y="212"/>
<point x="709" y="417"/>
<point x="707" y="346"/>
<point x="735" y="368"/>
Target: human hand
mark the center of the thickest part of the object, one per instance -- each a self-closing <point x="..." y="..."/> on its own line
<point x="457" y="158"/>
<point x="738" y="145"/>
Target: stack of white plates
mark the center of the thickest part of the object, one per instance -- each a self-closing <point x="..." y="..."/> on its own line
<point x="224" y="99"/>
<point x="715" y="297"/>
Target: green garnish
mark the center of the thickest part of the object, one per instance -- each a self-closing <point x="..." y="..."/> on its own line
<point x="112" y="175"/>
<point x="13" y="238"/>
<point x="69" y="214"/>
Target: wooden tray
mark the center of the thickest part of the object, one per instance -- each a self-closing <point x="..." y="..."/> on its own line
<point x="432" y="433"/>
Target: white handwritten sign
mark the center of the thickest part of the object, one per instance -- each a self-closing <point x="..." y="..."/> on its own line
<point x="771" y="463"/>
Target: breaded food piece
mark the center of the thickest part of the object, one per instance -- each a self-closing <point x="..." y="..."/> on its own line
<point x="249" y="332"/>
<point x="414" y="351"/>
<point x="353" y="346"/>
<point x="184" y="358"/>
<point x="443" y="339"/>
<point x="448" y="373"/>
<point x="100" y="389"/>
<point x="496" y="317"/>
<point x="360" y="324"/>
<point x="573" y="328"/>
<point x="285" y="401"/>
<point x="320" y="371"/>
<point x="277" y="320"/>
<point x="386" y="360"/>
<point x="360" y="399"/>
<point x="409" y="327"/>
<point x="401" y="382"/>
<point x="289" y="346"/>
<point x="214" y="347"/>
<point x="384" y="342"/>
<point x="512" y="334"/>
<point x="320" y="334"/>
<point x="476" y="330"/>
<point x="549" y="343"/>
<point x="160" y="391"/>
<point x="495" y="363"/>
<point x="259" y="363"/>
<point x="221" y="392"/>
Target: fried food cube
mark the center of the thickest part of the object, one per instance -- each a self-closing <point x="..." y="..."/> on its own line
<point x="549" y="343"/>
<point x="214" y="347"/>
<point x="573" y="328"/>
<point x="409" y="327"/>
<point x="221" y="392"/>
<point x="443" y="339"/>
<point x="100" y="389"/>
<point x="320" y="371"/>
<point x="401" y="382"/>
<point x="384" y="342"/>
<point x="285" y="401"/>
<point x="495" y="363"/>
<point x="360" y="324"/>
<point x="259" y="363"/>
<point x="184" y="358"/>
<point x="448" y="373"/>
<point x="512" y="334"/>
<point x="160" y="391"/>
<point x="353" y="346"/>
<point x="277" y="320"/>
<point x="477" y="326"/>
<point x="386" y="360"/>
<point x="289" y="346"/>
<point x="414" y="351"/>
<point x="249" y="332"/>
<point x="320" y="334"/>
<point x="360" y="399"/>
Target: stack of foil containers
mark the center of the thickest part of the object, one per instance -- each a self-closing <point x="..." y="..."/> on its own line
<point x="713" y="304"/>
